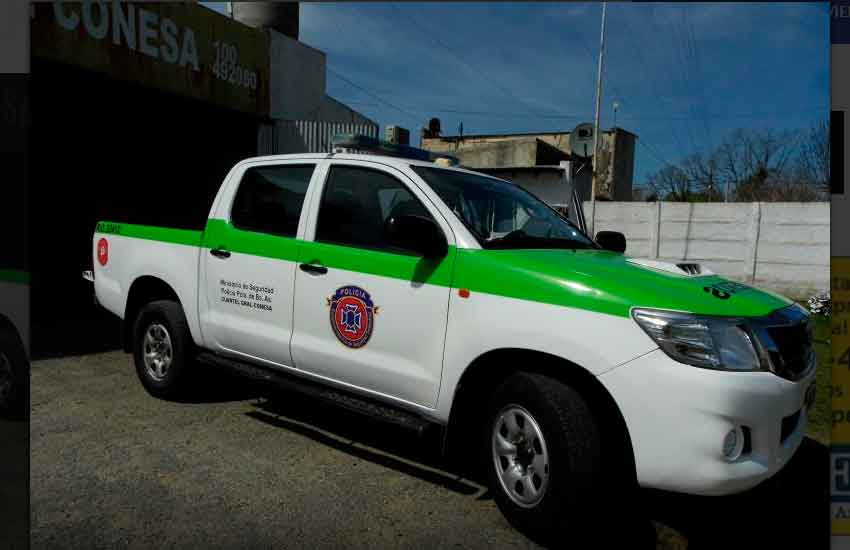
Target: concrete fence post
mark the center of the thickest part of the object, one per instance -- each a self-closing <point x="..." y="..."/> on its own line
<point x="591" y="219"/>
<point x="755" y="227"/>
<point x="655" y="229"/>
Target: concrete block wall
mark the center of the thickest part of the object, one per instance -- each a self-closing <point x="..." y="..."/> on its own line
<point x="783" y="247"/>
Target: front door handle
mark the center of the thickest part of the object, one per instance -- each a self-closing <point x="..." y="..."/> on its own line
<point x="220" y="252"/>
<point x="314" y="269"/>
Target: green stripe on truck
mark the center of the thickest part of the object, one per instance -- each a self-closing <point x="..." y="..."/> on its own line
<point x="14" y="276"/>
<point x="151" y="233"/>
<point x="592" y="280"/>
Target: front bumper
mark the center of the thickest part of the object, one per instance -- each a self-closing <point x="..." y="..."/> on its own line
<point x="678" y="415"/>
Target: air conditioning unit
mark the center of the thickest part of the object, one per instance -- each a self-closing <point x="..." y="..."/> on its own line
<point x="397" y="135"/>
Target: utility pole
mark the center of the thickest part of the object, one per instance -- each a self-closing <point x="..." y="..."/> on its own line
<point x="594" y="176"/>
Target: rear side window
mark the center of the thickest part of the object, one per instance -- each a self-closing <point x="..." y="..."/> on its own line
<point x="270" y="198"/>
<point x="356" y="204"/>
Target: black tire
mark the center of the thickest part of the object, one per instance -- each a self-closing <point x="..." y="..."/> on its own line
<point x="15" y="405"/>
<point x="576" y="502"/>
<point x="169" y="315"/>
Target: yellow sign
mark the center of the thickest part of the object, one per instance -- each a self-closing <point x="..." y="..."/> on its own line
<point x="840" y="390"/>
<point x="182" y="48"/>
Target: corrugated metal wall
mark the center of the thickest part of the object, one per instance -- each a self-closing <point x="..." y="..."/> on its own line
<point x="306" y="136"/>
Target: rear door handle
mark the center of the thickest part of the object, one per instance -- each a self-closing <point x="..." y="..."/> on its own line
<point x="220" y="252"/>
<point x="314" y="269"/>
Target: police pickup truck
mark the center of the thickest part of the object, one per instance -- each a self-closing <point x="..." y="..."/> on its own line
<point x="14" y="343"/>
<point x="435" y="296"/>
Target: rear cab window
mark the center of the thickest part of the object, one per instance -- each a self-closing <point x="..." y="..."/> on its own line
<point x="270" y="199"/>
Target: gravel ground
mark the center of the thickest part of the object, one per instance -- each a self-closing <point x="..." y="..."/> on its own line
<point x="113" y="467"/>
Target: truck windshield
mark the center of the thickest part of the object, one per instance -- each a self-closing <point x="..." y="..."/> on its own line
<point x="502" y="215"/>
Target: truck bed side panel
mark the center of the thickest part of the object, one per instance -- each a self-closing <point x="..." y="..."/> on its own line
<point x="137" y="251"/>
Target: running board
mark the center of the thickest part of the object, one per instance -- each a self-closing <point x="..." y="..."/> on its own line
<point x="340" y="398"/>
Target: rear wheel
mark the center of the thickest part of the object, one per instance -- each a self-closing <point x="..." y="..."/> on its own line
<point x="544" y="458"/>
<point x="162" y="349"/>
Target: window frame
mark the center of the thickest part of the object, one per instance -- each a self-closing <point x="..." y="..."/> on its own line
<point x="304" y="203"/>
<point x="385" y="170"/>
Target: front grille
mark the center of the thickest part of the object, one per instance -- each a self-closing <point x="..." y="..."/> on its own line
<point x="793" y="352"/>
<point x="789" y="424"/>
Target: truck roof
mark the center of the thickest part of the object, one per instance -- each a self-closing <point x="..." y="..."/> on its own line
<point x="398" y="162"/>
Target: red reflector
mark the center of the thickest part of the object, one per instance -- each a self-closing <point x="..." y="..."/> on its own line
<point x="103" y="251"/>
<point x="463" y="293"/>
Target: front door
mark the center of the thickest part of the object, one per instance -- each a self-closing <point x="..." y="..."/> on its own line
<point x="367" y="314"/>
<point x="249" y="256"/>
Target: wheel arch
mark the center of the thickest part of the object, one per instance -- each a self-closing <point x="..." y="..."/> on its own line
<point x="484" y="374"/>
<point x="7" y="327"/>
<point x="144" y="290"/>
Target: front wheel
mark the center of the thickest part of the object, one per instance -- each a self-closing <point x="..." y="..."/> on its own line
<point x="545" y="461"/>
<point x="162" y="349"/>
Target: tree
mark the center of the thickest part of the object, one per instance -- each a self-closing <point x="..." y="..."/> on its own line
<point x="704" y="173"/>
<point x="671" y="183"/>
<point x="751" y="160"/>
<point x="751" y="165"/>
<point x="813" y="160"/>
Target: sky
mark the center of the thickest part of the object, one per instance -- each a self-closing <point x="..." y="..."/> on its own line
<point x="684" y="75"/>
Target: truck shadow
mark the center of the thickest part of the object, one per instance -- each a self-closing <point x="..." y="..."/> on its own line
<point x="363" y="437"/>
<point x="789" y="510"/>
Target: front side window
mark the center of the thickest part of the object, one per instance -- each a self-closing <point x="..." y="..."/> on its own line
<point x="356" y="204"/>
<point x="270" y="198"/>
<point x="502" y="215"/>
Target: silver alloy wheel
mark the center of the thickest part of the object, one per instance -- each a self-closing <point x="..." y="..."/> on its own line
<point x="157" y="351"/>
<point x="520" y="456"/>
<point x="7" y="379"/>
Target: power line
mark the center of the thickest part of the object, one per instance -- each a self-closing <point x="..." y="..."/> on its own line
<point x="665" y="117"/>
<point x="700" y="74"/>
<point x="697" y="106"/>
<point x="678" y="49"/>
<point x="411" y="116"/>
<point x="474" y="68"/>
<point x="652" y="150"/>
<point x="638" y="49"/>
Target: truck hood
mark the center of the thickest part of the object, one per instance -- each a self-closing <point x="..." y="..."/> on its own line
<point x="607" y="282"/>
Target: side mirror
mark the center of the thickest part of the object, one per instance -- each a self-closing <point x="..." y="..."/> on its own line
<point x="418" y="234"/>
<point x="611" y="240"/>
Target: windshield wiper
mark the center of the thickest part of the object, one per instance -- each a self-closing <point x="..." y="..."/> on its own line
<point x="521" y="239"/>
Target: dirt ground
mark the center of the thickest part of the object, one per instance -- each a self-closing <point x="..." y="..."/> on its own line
<point x="113" y="467"/>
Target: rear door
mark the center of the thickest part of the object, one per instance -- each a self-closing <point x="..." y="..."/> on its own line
<point x="249" y="255"/>
<point x="367" y="314"/>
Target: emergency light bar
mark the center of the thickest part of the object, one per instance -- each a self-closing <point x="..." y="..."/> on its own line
<point x="357" y="143"/>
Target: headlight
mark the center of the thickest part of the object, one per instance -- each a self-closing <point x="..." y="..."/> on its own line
<point x="708" y="342"/>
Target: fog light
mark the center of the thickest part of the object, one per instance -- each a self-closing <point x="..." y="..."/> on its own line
<point x="733" y="444"/>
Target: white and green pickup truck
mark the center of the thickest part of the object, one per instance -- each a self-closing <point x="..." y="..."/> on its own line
<point x="432" y="295"/>
<point x="14" y="343"/>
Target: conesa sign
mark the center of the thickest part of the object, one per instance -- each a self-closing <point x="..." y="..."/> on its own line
<point x="183" y="48"/>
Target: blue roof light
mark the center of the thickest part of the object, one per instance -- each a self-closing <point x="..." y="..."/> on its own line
<point x="357" y="143"/>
